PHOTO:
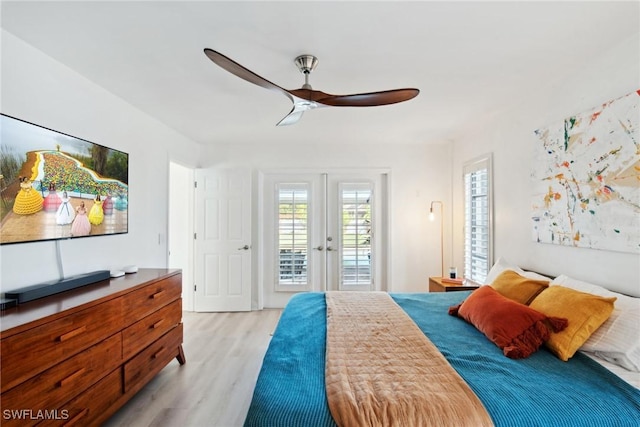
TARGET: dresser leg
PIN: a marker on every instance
(180, 357)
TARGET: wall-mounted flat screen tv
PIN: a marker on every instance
(57, 186)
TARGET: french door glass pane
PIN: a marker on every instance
(355, 254)
(293, 234)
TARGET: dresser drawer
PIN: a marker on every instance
(139, 370)
(148, 299)
(28, 353)
(93, 407)
(144, 332)
(61, 383)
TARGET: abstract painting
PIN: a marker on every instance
(586, 179)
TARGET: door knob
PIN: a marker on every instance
(319, 248)
(244, 248)
(329, 248)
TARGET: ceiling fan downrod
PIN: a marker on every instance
(306, 64)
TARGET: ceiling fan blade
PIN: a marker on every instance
(291, 118)
(242, 72)
(371, 99)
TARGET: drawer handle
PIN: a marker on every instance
(71, 377)
(157, 294)
(158, 353)
(77, 418)
(72, 334)
(157, 324)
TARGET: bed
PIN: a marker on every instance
(539, 390)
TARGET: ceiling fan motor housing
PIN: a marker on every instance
(306, 63)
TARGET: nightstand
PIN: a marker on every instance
(436, 285)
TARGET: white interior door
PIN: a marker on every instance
(223, 240)
(322, 231)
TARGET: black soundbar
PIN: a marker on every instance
(6, 303)
(56, 286)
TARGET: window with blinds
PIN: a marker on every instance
(293, 234)
(478, 243)
(356, 234)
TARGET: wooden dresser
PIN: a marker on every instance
(74, 358)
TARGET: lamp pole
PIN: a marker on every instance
(431, 217)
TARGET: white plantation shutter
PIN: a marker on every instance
(293, 235)
(355, 235)
(478, 230)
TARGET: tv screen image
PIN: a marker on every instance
(57, 186)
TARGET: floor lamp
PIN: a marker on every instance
(431, 218)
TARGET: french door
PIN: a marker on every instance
(323, 231)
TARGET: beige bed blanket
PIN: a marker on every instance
(381, 370)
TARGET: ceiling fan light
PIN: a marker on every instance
(306, 105)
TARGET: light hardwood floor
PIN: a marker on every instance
(224, 353)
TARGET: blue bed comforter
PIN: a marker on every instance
(538, 391)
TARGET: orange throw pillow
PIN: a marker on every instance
(517, 287)
(517, 329)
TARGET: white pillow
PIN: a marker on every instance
(618, 339)
(502, 265)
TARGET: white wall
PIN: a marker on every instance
(181, 201)
(40, 90)
(418, 174)
(509, 135)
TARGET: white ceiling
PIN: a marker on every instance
(469, 59)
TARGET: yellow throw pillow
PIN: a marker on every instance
(585, 312)
(518, 288)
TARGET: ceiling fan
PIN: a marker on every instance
(306, 98)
